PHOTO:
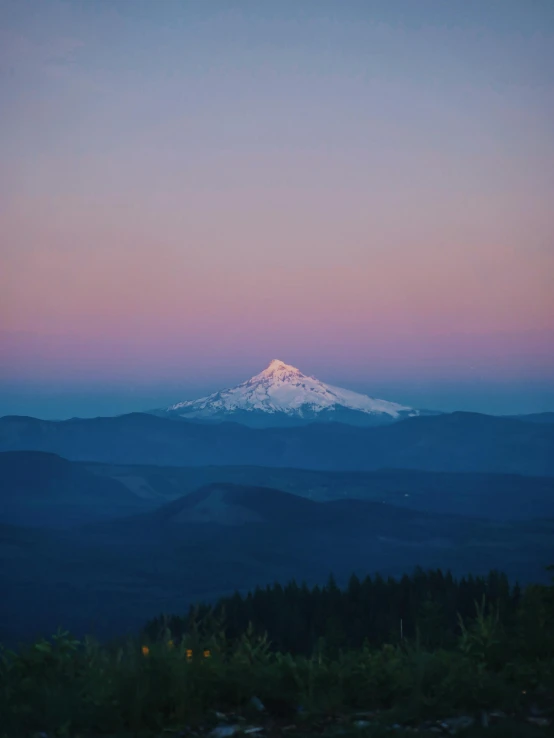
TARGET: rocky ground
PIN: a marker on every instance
(490, 724)
(493, 723)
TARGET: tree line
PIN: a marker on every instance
(427, 606)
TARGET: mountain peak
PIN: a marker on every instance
(283, 391)
(279, 370)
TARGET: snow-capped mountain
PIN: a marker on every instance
(283, 395)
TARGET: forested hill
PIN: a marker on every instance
(427, 605)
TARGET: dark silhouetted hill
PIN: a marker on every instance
(459, 442)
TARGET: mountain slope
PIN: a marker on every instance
(460, 442)
(282, 394)
(44, 490)
(235, 504)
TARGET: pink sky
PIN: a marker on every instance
(186, 197)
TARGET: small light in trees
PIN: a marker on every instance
(145, 650)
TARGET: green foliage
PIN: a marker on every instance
(500, 656)
(481, 639)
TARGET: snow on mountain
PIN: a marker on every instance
(283, 392)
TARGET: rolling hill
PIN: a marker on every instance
(43, 489)
(495, 496)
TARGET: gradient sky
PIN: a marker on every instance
(362, 188)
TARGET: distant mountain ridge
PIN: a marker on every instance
(282, 395)
(459, 442)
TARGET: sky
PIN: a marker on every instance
(363, 189)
